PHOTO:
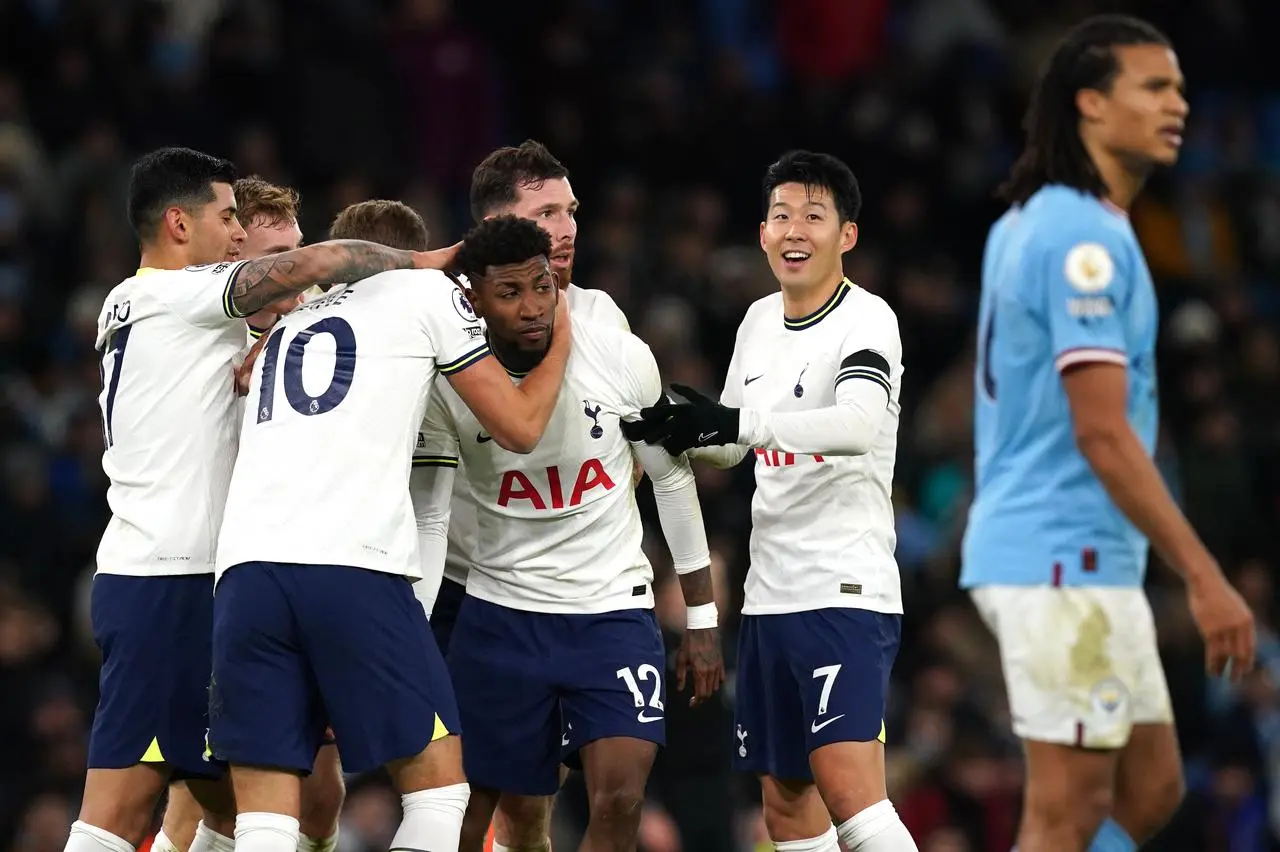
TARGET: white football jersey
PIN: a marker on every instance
(334, 403)
(557, 530)
(167, 339)
(592, 306)
(822, 528)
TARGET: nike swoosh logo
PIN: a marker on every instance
(642, 719)
(752, 379)
(815, 727)
(706, 436)
(482, 438)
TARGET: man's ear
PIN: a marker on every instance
(476, 306)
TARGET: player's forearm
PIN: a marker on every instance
(260, 282)
(848, 428)
(723, 457)
(1134, 484)
(675, 495)
(431, 492)
(697, 587)
(537, 397)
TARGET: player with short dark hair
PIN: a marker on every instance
(526, 181)
(812, 389)
(556, 653)
(169, 337)
(268, 213)
(1066, 415)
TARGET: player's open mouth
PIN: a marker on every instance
(1172, 134)
(562, 258)
(794, 259)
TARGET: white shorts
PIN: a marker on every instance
(1080, 663)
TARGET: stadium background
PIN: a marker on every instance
(667, 114)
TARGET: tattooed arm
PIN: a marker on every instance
(260, 282)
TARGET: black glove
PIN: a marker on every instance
(678, 426)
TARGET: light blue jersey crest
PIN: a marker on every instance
(1064, 282)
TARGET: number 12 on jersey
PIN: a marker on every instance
(344, 368)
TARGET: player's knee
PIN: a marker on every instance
(1146, 809)
(522, 821)
(1064, 811)
(1166, 798)
(793, 810)
(620, 802)
(122, 801)
(322, 798)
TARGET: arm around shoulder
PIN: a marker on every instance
(517, 416)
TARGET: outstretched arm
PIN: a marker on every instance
(260, 282)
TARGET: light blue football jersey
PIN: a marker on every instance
(1064, 282)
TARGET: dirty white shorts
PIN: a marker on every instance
(1080, 664)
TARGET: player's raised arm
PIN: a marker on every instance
(675, 494)
(505, 261)
(260, 282)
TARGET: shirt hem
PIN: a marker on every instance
(613, 603)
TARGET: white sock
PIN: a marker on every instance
(90, 838)
(828, 842)
(266, 832)
(545, 846)
(162, 843)
(876, 829)
(432, 819)
(208, 840)
(306, 843)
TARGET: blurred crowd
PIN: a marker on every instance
(666, 114)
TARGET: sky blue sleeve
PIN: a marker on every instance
(1086, 278)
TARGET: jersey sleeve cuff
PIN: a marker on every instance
(435, 461)
(1090, 355)
(228, 303)
(459, 364)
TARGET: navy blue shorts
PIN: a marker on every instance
(809, 679)
(534, 688)
(155, 634)
(299, 647)
(444, 615)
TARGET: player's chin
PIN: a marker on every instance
(533, 341)
(1166, 156)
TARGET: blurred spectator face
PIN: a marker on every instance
(803, 236)
(44, 824)
(1142, 116)
(554, 207)
(263, 237)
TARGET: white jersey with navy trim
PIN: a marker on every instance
(167, 340)
(591, 306)
(822, 527)
(558, 529)
(329, 430)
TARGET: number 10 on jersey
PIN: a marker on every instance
(344, 367)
